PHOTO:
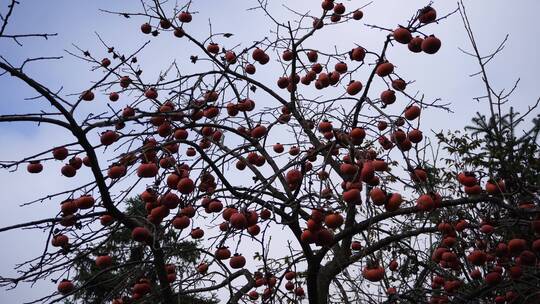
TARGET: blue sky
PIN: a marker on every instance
(444, 75)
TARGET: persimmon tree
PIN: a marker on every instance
(340, 170)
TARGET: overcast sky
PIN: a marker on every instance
(444, 75)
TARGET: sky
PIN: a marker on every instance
(444, 75)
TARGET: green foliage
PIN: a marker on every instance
(131, 261)
(497, 147)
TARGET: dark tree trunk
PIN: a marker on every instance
(323, 285)
(317, 284)
(312, 274)
(159, 264)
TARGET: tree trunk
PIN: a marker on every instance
(317, 285)
(159, 265)
(312, 283)
(323, 286)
